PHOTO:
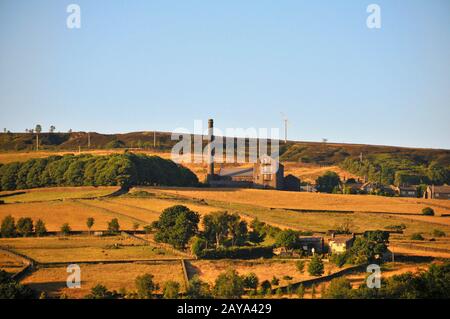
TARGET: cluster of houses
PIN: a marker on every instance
(352, 186)
(310, 245)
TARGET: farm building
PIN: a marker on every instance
(308, 243)
(405, 191)
(340, 243)
(437, 192)
(263, 174)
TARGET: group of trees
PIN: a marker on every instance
(366, 249)
(389, 169)
(23, 228)
(431, 284)
(178, 224)
(112, 170)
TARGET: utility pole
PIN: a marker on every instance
(285, 119)
(154, 139)
(89, 140)
(37, 141)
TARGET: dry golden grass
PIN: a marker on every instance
(85, 248)
(56, 213)
(313, 201)
(113, 276)
(209, 270)
(56, 193)
(309, 172)
(10, 264)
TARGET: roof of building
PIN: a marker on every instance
(236, 171)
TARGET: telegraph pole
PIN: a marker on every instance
(154, 139)
(89, 140)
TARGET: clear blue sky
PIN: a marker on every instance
(158, 65)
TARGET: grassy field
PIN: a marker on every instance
(313, 201)
(55, 193)
(10, 264)
(113, 276)
(85, 248)
(209, 270)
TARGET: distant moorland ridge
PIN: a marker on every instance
(376, 162)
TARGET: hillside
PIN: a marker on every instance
(386, 163)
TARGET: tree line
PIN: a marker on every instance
(399, 171)
(123, 170)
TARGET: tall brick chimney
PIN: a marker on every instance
(210, 159)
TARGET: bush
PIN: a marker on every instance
(300, 264)
(100, 292)
(198, 245)
(417, 236)
(113, 226)
(145, 286)
(251, 281)
(171, 290)
(339, 259)
(266, 287)
(438, 233)
(10, 289)
(65, 229)
(237, 253)
(428, 211)
(2, 202)
(315, 267)
(229, 285)
(198, 289)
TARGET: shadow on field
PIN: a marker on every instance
(192, 270)
(12, 194)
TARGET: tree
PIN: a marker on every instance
(216, 227)
(145, 286)
(428, 211)
(113, 226)
(39, 228)
(300, 264)
(417, 236)
(229, 285)
(251, 281)
(171, 289)
(315, 267)
(25, 226)
(197, 289)
(237, 229)
(275, 281)
(65, 229)
(52, 129)
(89, 223)
(287, 238)
(176, 226)
(301, 291)
(339, 288)
(266, 287)
(327, 182)
(100, 292)
(198, 245)
(136, 226)
(8, 228)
